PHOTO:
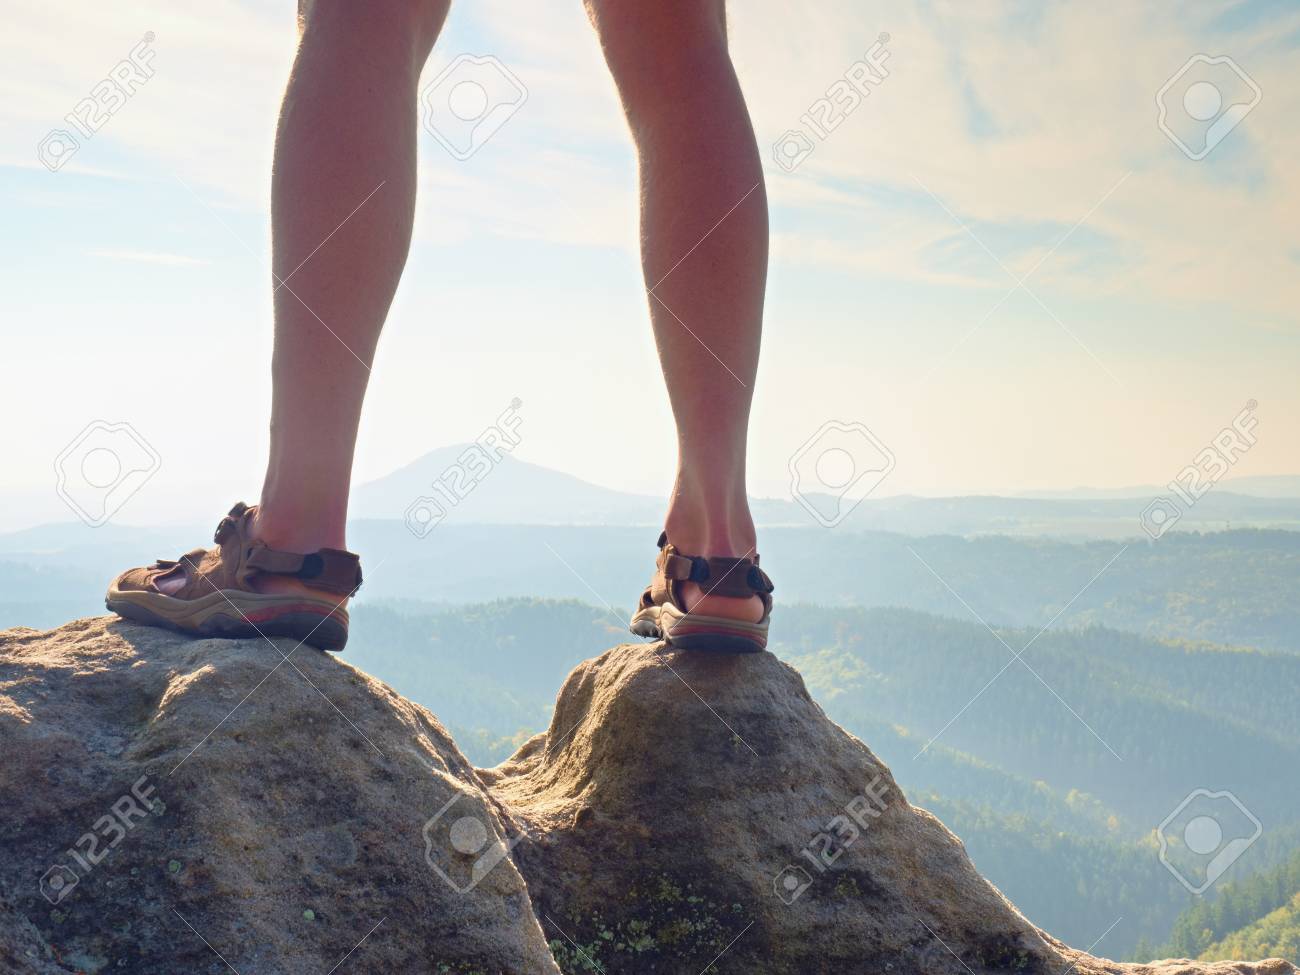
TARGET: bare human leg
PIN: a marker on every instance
(342, 206)
(704, 244)
(342, 209)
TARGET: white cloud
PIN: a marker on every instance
(1068, 97)
(1019, 117)
(1070, 102)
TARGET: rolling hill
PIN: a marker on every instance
(1067, 777)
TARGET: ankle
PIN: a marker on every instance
(735, 543)
(297, 530)
(721, 527)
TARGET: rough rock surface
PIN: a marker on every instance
(241, 808)
(209, 805)
(681, 808)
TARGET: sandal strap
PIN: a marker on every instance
(237, 559)
(738, 578)
(331, 569)
(230, 523)
(719, 575)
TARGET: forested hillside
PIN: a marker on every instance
(1255, 917)
(1055, 782)
(1232, 587)
(1137, 723)
(1054, 755)
(1276, 935)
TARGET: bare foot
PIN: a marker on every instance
(750, 610)
(690, 531)
(281, 585)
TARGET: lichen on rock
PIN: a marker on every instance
(292, 791)
(180, 805)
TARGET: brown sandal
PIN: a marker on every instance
(218, 598)
(663, 615)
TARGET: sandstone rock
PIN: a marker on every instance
(229, 806)
(700, 813)
(176, 805)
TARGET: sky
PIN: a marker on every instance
(1000, 262)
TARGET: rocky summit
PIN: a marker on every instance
(178, 805)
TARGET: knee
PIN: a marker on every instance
(658, 49)
(386, 27)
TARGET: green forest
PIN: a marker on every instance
(1056, 777)
(1051, 700)
(1231, 587)
(1257, 917)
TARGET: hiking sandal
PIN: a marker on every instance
(663, 615)
(218, 595)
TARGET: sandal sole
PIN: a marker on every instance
(706, 634)
(234, 614)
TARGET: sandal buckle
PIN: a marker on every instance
(224, 527)
(312, 566)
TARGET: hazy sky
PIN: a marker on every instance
(1008, 139)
